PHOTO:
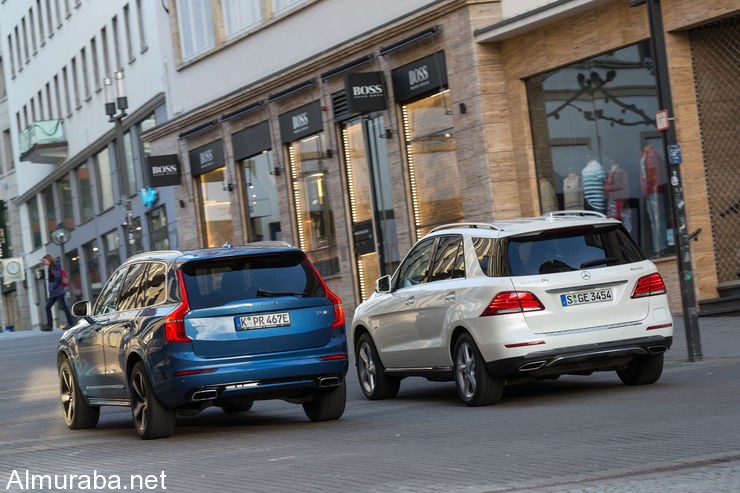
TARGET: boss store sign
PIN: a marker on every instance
(420, 77)
(207, 158)
(365, 92)
(301, 122)
(164, 171)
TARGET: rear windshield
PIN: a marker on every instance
(571, 249)
(216, 282)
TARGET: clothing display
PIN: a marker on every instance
(572, 191)
(593, 186)
(650, 163)
(617, 194)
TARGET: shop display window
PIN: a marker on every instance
(216, 201)
(64, 191)
(431, 153)
(84, 192)
(311, 199)
(260, 188)
(597, 147)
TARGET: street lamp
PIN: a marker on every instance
(116, 104)
(60, 236)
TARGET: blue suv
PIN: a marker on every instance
(175, 332)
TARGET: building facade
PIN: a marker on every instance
(75, 166)
(352, 131)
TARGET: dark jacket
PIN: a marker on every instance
(55, 281)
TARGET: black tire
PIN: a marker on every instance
(327, 404)
(237, 407)
(641, 371)
(475, 385)
(151, 419)
(374, 383)
(77, 414)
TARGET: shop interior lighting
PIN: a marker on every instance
(412, 171)
(293, 160)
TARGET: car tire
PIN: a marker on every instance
(475, 385)
(643, 370)
(237, 407)
(77, 413)
(374, 383)
(151, 418)
(327, 404)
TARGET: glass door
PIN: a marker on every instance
(371, 201)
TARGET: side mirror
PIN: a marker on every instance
(81, 309)
(383, 284)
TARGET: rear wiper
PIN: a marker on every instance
(272, 294)
(599, 261)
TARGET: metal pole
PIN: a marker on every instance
(680, 230)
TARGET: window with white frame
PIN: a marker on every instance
(279, 6)
(241, 15)
(196, 27)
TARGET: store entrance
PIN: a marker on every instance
(371, 201)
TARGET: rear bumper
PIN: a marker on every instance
(263, 377)
(585, 358)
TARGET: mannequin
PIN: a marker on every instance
(593, 186)
(649, 182)
(617, 193)
(572, 191)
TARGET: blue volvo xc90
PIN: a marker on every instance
(175, 332)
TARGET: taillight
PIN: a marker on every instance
(335, 300)
(338, 309)
(512, 302)
(174, 323)
(650, 285)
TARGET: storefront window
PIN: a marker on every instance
(50, 212)
(261, 197)
(135, 243)
(84, 192)
(72, 265)
(92, 256)
(434, 177)
(105, 179)
(158, 228)
(596, 145)
(111, 248)
(314, 215)
(219, 227)
(35, 222)
(64, 190)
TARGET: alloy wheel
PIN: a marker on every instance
(465, 370)
(367, 368)
(67, 393)
(139, 401)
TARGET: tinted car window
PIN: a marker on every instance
(129, 296)
(567, 250)
(106, 302)
(414, 268)
(449, 261)
(220, 281)
(154, 290)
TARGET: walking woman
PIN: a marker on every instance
(57, 290)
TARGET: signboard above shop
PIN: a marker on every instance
(207, 158)
(365, 92)
(300, 122)
(420, 78)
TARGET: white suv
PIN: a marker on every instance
(487, 304)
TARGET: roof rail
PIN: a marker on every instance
(578, 213)
(465, 225)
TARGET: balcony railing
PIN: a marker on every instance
(44, 141)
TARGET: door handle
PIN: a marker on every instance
(410, 301)
(450, 296)
(128, 324)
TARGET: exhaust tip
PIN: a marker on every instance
(534, 365)
(328, 381)
(657, 349)
(204, 395)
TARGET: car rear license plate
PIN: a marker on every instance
(584, 297)
(263, 321)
